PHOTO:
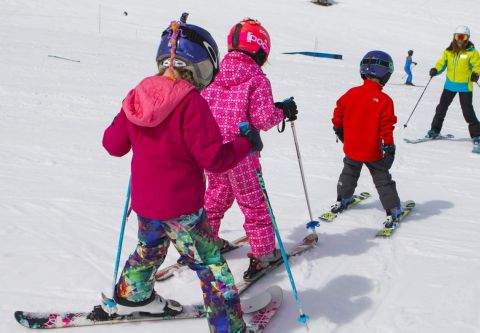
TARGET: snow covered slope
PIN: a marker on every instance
(62, 196)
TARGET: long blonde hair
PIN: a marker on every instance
(184, 74)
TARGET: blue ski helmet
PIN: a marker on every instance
(196, 51)
(376, 64)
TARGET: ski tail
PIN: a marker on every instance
(167, 272)
(357, 198)
(425, 139)
(307, 243)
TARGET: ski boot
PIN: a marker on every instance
(224, 245)
(341, 205)
(476, 141)
(432, 134)
(155, 306)
(393, 216)
(257, 265)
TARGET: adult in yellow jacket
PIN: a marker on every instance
(462, 62)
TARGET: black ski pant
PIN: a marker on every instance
(386, 187)
(467, 109)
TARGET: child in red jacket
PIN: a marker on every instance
(364, 120)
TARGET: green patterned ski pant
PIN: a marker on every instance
(192, 237)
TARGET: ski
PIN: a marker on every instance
(260, 319)
(307, 243)
(425, 139)
(256, 317)
(357, 198)
(387, 232)
(165, 273)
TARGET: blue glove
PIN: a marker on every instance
(289, 108)
(388, 155)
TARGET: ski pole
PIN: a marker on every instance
(303, 317)
(111, 302)
(426, 86)
(312, 224)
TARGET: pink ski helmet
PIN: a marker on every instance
(250, 37)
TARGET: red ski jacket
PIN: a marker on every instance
(367, 117)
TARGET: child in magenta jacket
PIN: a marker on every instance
(174, 138)
(242, 93)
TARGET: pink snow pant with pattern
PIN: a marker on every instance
(241, 184)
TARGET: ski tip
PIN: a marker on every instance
(365, 194)
(20, 318)
(328, 217)
(18, 315)
(410, 204)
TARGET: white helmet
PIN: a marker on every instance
(462, 29)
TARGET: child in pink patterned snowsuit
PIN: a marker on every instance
(242, 93)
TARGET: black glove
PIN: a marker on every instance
(339, 133)
(253, 136)
(433, 72)
(289, 108)
(414, 63)
(388, 155)
(474, 77)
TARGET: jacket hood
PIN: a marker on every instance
(153, 99)
(236, 68)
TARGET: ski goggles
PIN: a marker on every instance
(176, 63)
(380, 62)
(460, 36)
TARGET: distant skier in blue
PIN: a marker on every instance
(408, 68)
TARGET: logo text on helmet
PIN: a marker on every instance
(251, 38)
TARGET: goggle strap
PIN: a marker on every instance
(236, 35)
(375, 61)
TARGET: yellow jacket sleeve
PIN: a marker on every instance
(442, 63)
(475, 62)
